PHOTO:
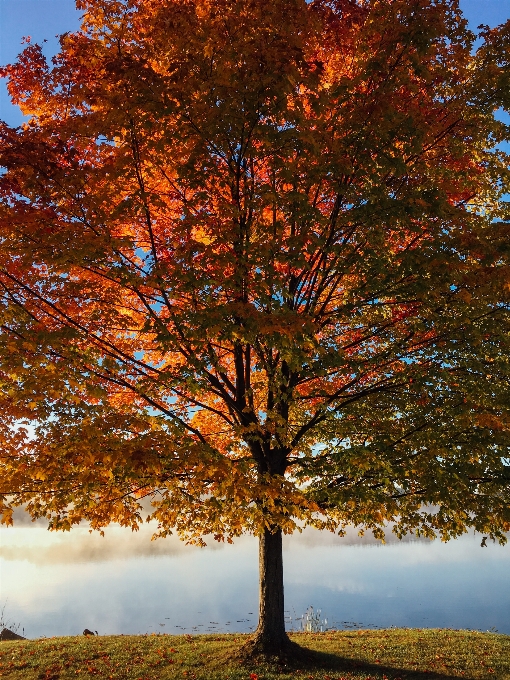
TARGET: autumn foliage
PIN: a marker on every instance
(254, 267)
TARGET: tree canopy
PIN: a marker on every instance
(254, 266)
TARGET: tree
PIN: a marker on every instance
(254, 266)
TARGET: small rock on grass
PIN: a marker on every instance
(7, 634)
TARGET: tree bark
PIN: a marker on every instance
(270, 636)
(270, 640)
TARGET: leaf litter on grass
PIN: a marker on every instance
(392, 654)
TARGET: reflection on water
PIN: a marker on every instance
(59, 584)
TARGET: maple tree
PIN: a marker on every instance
(254, 267)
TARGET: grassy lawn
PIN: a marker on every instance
(347, 655)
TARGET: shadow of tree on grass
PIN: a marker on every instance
(326, 664)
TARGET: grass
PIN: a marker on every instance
(339, 655)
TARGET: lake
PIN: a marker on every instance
(59, 584)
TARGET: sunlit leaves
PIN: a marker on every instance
(253, 264)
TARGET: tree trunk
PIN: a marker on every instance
(270, 639)
(270, 636)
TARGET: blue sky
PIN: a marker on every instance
(44, 19)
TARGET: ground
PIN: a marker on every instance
(394, 654)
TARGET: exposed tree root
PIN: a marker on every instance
(260, 649)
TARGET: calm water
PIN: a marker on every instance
(58, 584)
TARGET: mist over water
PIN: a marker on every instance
(59, 584)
